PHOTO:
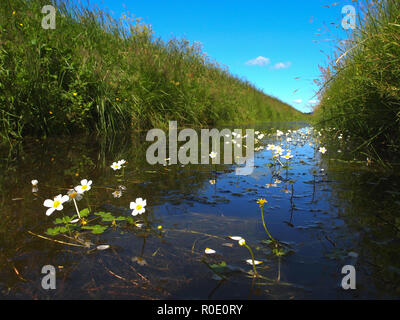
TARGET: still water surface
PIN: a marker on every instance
(325, 210)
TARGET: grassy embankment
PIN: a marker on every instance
(361, 93)
(97, 74)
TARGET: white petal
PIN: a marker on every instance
(50, 211)
(83, 182)
(103, 247)
(64, 199)
(48, 203)
(60, 207)
(132, 205)
(135, 212)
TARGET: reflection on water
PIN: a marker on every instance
(325, 210)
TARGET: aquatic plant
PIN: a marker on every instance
(242, 242)
(138, 206)
(261, 203)
(84, 186)
(56, 204)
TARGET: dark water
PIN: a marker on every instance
(327, 212)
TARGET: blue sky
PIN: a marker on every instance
(267, 42)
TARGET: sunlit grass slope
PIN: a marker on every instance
(97, 74)
(361, 95)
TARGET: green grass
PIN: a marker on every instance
(97, 74)
(361, 92)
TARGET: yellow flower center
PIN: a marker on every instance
(73, 195)
(84, 187)
(139, 207)
(56, 204)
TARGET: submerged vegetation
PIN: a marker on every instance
(94, 73)
(361, 92)
(116, 226)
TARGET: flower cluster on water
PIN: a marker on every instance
(76, 194)
(118, 165)
(281, 151)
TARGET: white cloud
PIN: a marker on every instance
(282, 65)
(298, 101)
(312, 101)
(259, 61)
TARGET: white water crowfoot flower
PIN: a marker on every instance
(117, 194)
(256, 262)
(72, 194)
(269, 185)
(56, 204)
(121, 162)
(34, 186)
(115, 166)
(118, 165)
(236, 238)
(287, 156)
(279, 133)
(209, 251)
(322, 150)
(85, 186)
(213, 155)
(138, 206)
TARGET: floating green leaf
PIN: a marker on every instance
(96, 229)
(84, 213)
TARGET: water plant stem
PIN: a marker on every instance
(265, 227)
(76, 207)
(253, 262)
